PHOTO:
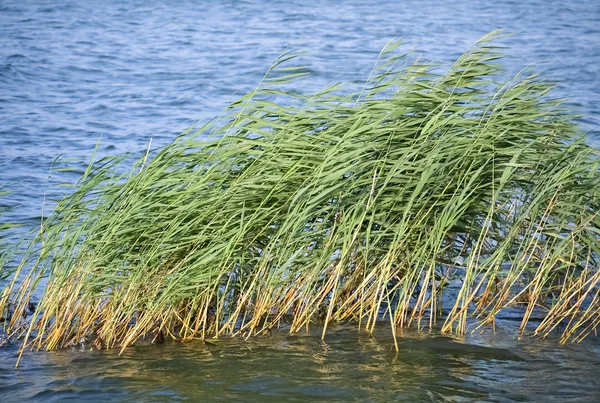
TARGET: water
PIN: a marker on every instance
(346, 366)
(130, 71)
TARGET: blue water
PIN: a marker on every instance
(130, 71)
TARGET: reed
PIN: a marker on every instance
(430, 195)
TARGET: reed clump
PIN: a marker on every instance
(426, 197)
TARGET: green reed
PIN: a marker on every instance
(430, 195)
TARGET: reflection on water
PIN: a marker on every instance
(346, 366)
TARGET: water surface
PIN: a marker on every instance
(346, 366)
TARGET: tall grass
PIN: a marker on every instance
(428, 196)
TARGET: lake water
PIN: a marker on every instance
(130, 71)
(346, 366)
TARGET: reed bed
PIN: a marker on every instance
(430, 195)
